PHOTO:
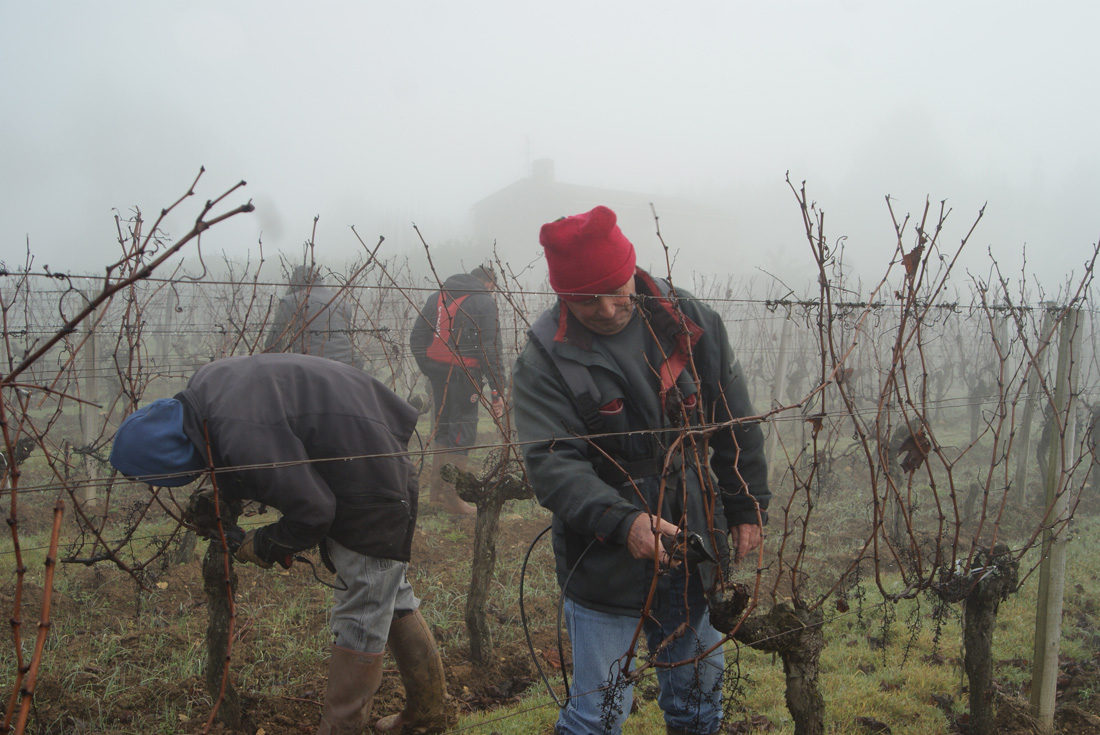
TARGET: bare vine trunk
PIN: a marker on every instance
(998, 578)
(481, 576)
(795, 633)
(489, 496)
(217, 631)
(207, 518)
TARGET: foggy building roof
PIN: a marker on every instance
(513, 215)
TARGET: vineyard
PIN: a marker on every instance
(929, 562)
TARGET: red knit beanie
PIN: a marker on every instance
(587, 254)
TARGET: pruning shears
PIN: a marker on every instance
(689, 547)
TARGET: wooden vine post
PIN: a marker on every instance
(779, 389)
(89, 409)
(1022, 447)
(1052, 572)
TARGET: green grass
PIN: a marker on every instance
(895, 685)
(110, 645)
(119, 660)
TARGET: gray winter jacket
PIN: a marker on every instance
(312, 319)
(593, 502)
(322, 442)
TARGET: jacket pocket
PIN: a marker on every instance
(373, 525)
(612, 408)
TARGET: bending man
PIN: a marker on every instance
(326, 445)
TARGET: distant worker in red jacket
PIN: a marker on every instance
(456, 344)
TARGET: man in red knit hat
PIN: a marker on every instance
(611, 391)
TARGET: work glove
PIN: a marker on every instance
(246, 552)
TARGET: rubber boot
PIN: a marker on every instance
(444, 493)
(426, 707)
(353, 680)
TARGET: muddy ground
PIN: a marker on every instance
(172, 614)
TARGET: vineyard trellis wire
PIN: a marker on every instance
(918, 404)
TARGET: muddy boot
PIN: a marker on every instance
(443, 493)
(427, 709)
(353, 679)
(436, 483)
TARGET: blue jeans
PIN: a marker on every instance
(691, 696)
(377, 592)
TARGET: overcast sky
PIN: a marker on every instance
(380, 115)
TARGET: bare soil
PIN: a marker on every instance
(174, 613)
(108, 602)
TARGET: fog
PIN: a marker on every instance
(381, 116)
